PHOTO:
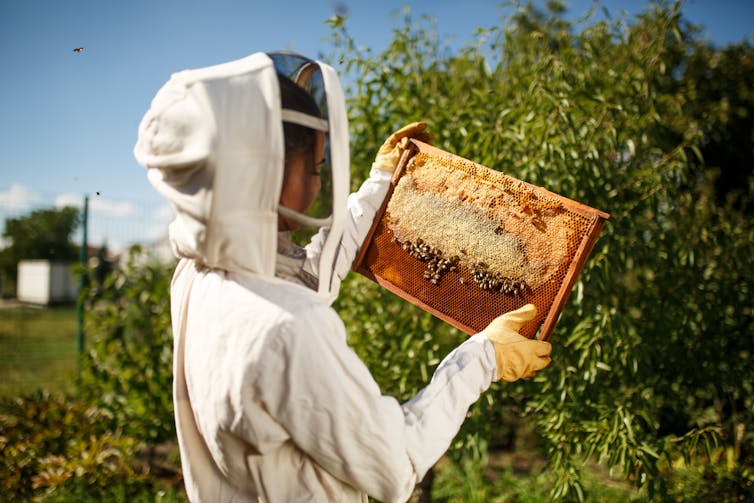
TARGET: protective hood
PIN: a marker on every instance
(213, 144)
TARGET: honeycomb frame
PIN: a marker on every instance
(483, 243)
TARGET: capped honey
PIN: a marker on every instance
(468, 243)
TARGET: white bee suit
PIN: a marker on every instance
(270, 402)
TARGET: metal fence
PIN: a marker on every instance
(116, 224)
(38, 342)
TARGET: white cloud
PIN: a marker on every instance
(118, 224)
(74, 200)
(98, 205)
(164, 213)
(112, 208)
(156, 233)
(18, 197)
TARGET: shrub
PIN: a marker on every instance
(127, 363)
(53, 444)
(651, 357)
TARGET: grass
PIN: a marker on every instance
(116, 494)
(519, 476)
(38, 349)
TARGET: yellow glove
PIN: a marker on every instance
(390, 152)
(516, 356)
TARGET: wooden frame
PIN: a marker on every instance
(544, 325)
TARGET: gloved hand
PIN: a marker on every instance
(516, 356)
(390, 152)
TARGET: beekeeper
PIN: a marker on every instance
(270, 402)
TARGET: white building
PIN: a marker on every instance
(44, 282)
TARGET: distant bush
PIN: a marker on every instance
(127, 362)
(100, 445)
(56, 446)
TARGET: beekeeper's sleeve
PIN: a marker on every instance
(362, 207)
(334, 411)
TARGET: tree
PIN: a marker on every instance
(651, 354)
(719, 84)
(42, 234)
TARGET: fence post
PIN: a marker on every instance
(82, 277)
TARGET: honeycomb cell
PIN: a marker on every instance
(468, 243)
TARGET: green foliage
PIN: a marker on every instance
(127, 365)
(727, 480)
(719, 85)
(466, 480)
(652, 353)
(51, 444)
(473, 480)
(100, 445)
(42, 234)
(116, 494)
(400, 364)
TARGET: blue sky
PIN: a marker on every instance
(69, 119)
